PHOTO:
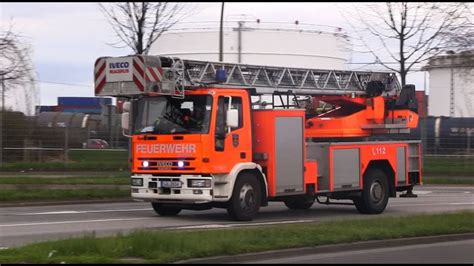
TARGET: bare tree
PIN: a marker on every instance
(410, 33)
(139, 25)
(16, 73)
(15, 63)
(461, 35)
(16, 68)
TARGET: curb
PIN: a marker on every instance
(274, 254)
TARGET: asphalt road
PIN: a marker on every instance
(22, 225)
(445, 252)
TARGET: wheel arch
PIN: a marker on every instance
(255, 170)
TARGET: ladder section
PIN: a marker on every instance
(141, 74)
(268, 79)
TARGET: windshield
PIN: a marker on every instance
(167, 115)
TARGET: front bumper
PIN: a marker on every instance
(151, 190)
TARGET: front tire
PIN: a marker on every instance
(374, 198)
(165, 210)
(246, 198)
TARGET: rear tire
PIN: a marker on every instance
(246, 198)
(299, 203)
(360, 205)
(374, 196)
(165, 210)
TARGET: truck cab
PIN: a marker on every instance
(182, 146)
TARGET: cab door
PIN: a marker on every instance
(231, 145)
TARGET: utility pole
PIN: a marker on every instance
(451, 94)
(221, 35)
(1, 121)
(241, 23)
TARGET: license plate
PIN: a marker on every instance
(170, 184)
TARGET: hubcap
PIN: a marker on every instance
(247, 197)
(376, 191)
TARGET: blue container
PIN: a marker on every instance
(84, 101)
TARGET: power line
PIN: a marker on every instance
(378, 63)
(64, 83)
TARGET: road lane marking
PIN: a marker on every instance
(433, 204)
(422, 192)
(80, 212)
(205, 226)
(73, 222)
(214, 226)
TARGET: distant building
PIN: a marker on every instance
(86, 105)
(261, 43)
(451, 84)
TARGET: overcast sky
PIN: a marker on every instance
(67, 37)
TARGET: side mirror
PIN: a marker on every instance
(125, 120)
(232, 120)
(126, 107)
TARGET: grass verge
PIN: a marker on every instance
(447, 181)
(79, 160)
(23, 195)
(120, 165)
(169, 246)
(448, 166)
(25, 180)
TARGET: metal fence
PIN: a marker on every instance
(24, 141)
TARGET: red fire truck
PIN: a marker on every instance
(207, 134)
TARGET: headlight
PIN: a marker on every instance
(180, 164)
(145, 164)
(137, 182)
(199, 183)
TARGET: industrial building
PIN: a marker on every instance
(84, 117)
(451, 84)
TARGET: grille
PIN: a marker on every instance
(167, 163)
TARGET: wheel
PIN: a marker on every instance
(299, 203)
(165, 210)
(246, 198)
(359, 205)
(374, 196)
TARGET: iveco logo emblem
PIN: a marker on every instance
(119, 65)
(164, 164)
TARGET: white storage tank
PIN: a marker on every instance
(255, 42)
(451, 79)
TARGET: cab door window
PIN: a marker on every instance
(221, 128)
